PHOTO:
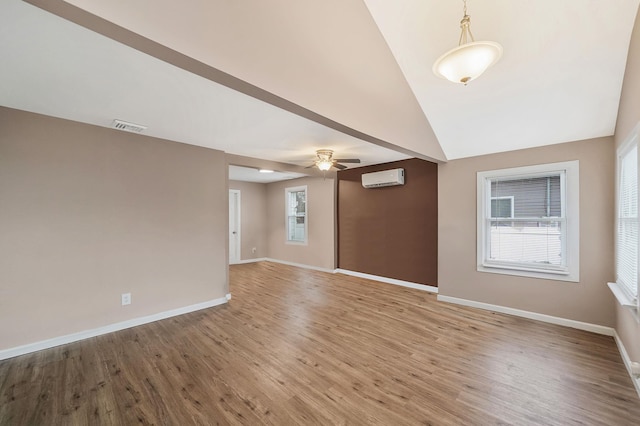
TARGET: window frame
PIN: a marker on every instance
(623, 293)
(288, 191)
(570, 218)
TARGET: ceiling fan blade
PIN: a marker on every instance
(339, 166)
(348, 160)
(313, 165)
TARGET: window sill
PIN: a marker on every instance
(296, 243)
(624, 300)
(546, 275)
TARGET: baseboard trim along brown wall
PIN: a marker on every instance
(386, 280)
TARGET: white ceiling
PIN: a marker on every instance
(54, 67)
(559, 79)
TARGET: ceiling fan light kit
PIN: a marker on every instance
(324, 165)
(470, 59)
(325, 161)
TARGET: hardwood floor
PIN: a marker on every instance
(296, 347)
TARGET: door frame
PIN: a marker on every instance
(238, 218)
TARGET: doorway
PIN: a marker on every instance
(234, 226)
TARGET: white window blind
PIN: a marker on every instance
(627, 228)
(533, 235)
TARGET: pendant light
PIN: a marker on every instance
(470, 59)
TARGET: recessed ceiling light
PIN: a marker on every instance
(265, 171)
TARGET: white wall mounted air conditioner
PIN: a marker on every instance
(384, 178)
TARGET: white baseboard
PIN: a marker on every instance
(299, 265)
(70, 338)
(627, 362)
(393, 281)
(254, 260)
(594, 328)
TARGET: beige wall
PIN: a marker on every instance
(320, 249)
(589, 300)
(253, 218)
(628, 116)
(89, 213)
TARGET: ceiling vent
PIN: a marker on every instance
(128, 127)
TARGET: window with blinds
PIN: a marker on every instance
(296, 214)
(627, 226)
(523, 222)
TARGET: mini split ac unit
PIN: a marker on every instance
(383, 178)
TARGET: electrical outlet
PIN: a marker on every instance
(126, 299)
(253, 250)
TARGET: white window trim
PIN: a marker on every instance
(306, 215)
(621, 292)
(571, 244)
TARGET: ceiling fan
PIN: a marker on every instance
(324, 160)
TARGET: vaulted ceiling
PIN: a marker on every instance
(279, 79)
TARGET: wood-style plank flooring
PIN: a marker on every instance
(299, 347)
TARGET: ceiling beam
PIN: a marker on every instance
(359, 90)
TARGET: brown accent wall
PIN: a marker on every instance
(391, 231)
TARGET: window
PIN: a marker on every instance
(296, 211)
(627, 229)
(528, 221)
(502, 206)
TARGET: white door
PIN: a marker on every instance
(234, 226)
